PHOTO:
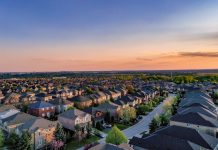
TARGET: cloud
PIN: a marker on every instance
(204, 36)
(143, 59)
(199, 54)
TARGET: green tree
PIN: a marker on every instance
(78, 132)
(132, 113)
(115, 136)
(155, 123)
(13, 140)
(127, 114)
(59, 133)
(2, 138)
(25, 141)
(165, 119)
(89, 130)
(98, 126)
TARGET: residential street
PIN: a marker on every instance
(143, 125)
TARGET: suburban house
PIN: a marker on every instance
(61, 105)
(121, 103)
(4, 108)
(81, 101)
(28, 97)
(70, 118)
(112, 94)
(11, 98)
(41, 109)
(98, 97)
(6, 111)
(97, 116)
(198, 109)
(44, 96)
(111, 108)
(131, 100)
(122, 90)
(42, 131)
(9, 124)
(196, 121)
(175, 138)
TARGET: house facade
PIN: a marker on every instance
(70, 118)
(41, 109)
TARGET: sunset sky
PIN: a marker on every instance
(81, 35)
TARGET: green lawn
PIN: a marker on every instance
(73, 145)
(122, 126)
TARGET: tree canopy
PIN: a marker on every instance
(115, 136)
(2, 138)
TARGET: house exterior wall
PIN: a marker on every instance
(83, 104)
(70, 124)
(49, 111)
(42, 137)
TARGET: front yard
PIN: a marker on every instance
(73, 145)
(119, 126)
(122, 126)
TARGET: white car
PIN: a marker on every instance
(107, 125)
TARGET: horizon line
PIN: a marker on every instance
(149, 70)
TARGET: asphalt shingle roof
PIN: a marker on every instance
(39, 104)
(189, 134)
(195, 118)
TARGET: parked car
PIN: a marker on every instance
(107, 125)
(139, 118)
(100, 135)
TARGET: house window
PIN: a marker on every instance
(40, 142)
(47, 108)
(43, 109)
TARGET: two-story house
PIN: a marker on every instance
(41, 130)
(41, 109)
(70, 118)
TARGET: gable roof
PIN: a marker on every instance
(79, 99)
(60, 101)
(73, 114)
(18, 118)
(107, 106)
(163, 142)
(189, 134)
(39, 104)
(6, 107)
(35, 123)
(196, 104)
(195, 118)
(108, 146)
(199, 109)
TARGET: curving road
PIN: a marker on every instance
(143, 124)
